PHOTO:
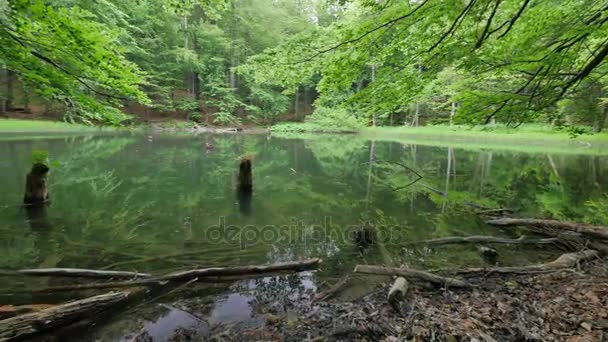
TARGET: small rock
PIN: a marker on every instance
(586, 326)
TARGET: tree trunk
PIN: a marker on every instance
(452, 113)
(488, 239)
(33, 324)
(296, 102)
(82, 273)
(8, 106)
(242, 270)
(598, 232)
(567, 260)
(411, 274)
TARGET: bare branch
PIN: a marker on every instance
(363, 35)
(514, 19)
(454, 25)
(485, 34)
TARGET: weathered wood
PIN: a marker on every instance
(489, 255)
(397, 293)
(495, 211)
(567, 260)
(325, 295)
(487, 239)
(36, 185)
(544, 226)
(29, 325)
(242, 270)
(412, 275)
(7, 311)
(81, 273)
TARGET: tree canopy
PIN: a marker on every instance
(376, 62)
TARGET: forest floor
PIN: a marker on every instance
(567, 305)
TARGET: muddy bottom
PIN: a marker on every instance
(568, 305)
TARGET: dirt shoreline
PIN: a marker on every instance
(566, 305)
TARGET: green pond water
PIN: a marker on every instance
(158, 203)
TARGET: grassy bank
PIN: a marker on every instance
(530, 138)
(42, 126)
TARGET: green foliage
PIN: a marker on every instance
(507, 61)
(334, 118)
(40, 156)
(64, 56)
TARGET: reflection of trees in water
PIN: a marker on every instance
(127, 199)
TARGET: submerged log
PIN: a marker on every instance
(242, 270)
(81, 273)
(488, 239)
(325, 295)
(32, 324)
(36, 185)
(397, 293)
(567, 260)
(412, 274)
(245, 180)
(544, 226)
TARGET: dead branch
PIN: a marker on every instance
(567, 260)
(82, 273)
(242, 270)
(487, 239)
(327, 294)
(29, 325)
(411, 274)
(545, 226)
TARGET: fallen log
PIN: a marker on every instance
(325, 295)
(397, 293)
(7, 311)
(242, 270)
(81, 273)
(544, 226)
(495, 211)
(205, 275)
(488, 239)
(567, 260)
(412, 274)
(29, 325)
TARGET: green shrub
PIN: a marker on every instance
(334, 118)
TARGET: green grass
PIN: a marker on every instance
(307, 127)
(526, 138)
(40, 126)
(530, 138)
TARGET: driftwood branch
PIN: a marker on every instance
(543, 226)
(82, 273)
(32, 324)
(327, 294)
(411, 274)
(242, 270)
(488, 239)
(567, 260)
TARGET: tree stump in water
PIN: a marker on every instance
(245, 180)
(36, 185)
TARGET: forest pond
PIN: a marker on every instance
(158, 203)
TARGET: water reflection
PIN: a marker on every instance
(150, 202)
